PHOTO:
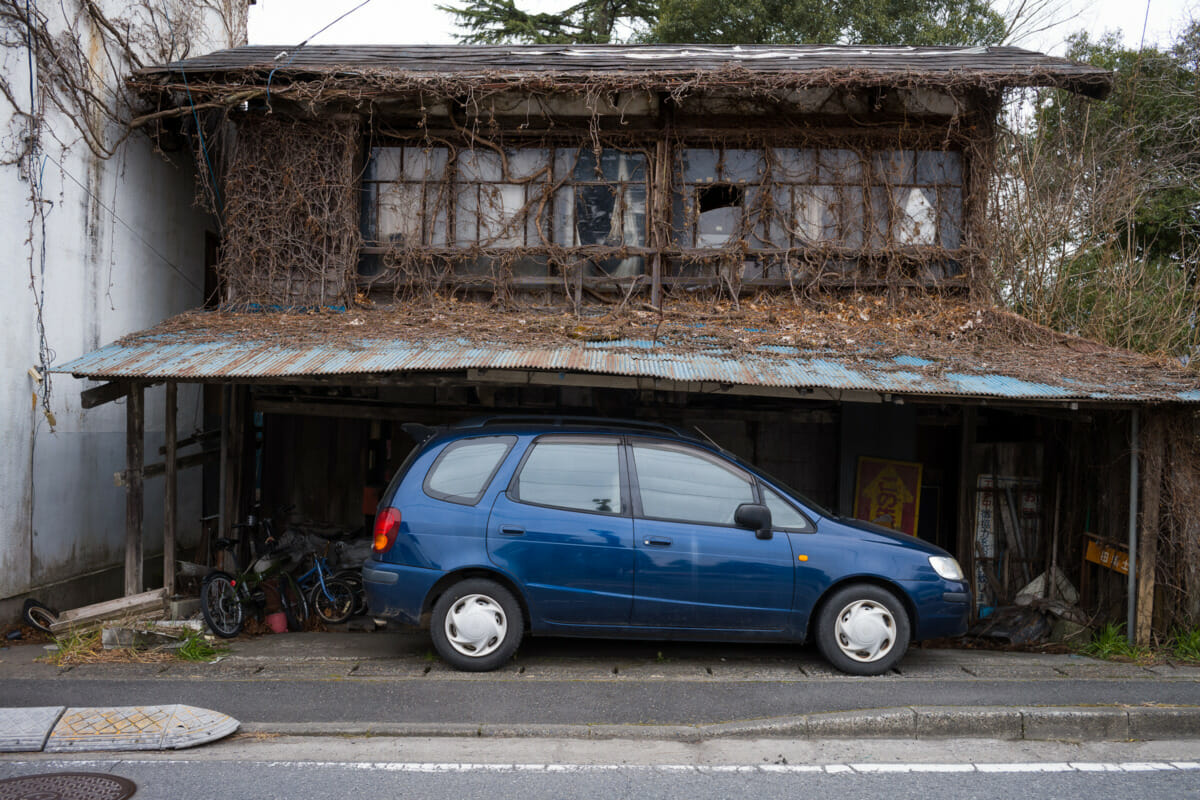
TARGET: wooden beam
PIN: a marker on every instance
(104, 393)
(967, 497)
(1153, 450)
(170, 492)
(135, 430)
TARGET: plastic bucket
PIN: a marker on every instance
(277, 622)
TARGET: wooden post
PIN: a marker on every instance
(1147, 558)
(967, 496)
(169, 499)
(135, 422)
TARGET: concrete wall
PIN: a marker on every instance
(120, 247)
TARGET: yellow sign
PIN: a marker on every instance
(1106, 555)
(888, 493)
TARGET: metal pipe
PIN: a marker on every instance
(1131, 603)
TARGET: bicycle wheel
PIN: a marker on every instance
(353, 579)
(294, 606)
(38, 615)
(335, 603)
(221, 604)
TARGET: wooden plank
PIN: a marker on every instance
(139, 605)
(135, 422)
(170, 492)
(1147, 555)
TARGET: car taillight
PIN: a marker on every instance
(387, 525)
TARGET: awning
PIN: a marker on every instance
(979, 358)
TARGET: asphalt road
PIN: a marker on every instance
(513, 701)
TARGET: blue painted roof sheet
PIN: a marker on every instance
(188, 355)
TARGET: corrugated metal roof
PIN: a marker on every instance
(1011, 66)
(209, 355)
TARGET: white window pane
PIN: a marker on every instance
(699, 166)
(466, 215)
(526, 162)
(951, 218)
(916, 216)
(564, 215)
(499, 206)
(852, 221)
(939, 167)
(479, 165)
(384, 164)
(424, 163)
(742, 166)
(894, 166)
(817, 213)
(839, 166)
(794, 165)
(400, 215)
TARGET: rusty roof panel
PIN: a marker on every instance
(1011, 66)
(183, 356)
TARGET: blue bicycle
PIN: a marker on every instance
(331, 597)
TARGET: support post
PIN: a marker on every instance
(1131, 583)
(1147, 560)
(170, 497)
(135, 422)
(966, 496)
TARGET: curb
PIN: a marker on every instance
(1040, 723)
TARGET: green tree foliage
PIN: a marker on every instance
(585, 22)
(912, 22)
(1098, 204)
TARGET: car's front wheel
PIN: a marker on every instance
(863, 629)
(477, 625)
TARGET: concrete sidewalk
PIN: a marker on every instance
(589, 674)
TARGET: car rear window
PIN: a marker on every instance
(464, 469)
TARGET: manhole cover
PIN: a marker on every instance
(67, 786)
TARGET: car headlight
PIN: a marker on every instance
(946, 567)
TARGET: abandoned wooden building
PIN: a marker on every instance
(784, 247)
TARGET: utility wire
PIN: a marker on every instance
(127, 226)
(297, 48)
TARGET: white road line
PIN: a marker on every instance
(701, 769)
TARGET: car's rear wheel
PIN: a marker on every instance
(477, 625)
(863, 629)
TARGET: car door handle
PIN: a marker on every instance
(508, 530)
(657, 542)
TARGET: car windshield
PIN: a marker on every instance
(804, 499)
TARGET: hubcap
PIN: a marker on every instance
(476, 625)
(865, 631)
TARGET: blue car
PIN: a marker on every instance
(495, 528)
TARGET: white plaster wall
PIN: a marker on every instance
(124, 249)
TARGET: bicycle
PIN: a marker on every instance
(333, 599)
(225, 597)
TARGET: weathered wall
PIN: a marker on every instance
(118, 248)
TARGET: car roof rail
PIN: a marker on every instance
(558, 420)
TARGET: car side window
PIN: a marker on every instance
(783, 515)
(679, 484)
(464, 469)
(579, 475)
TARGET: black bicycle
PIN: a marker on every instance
(226, 600)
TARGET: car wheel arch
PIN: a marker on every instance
(451, 578)
(872, 580)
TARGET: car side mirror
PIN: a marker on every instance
(755, 517)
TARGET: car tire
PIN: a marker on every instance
(38, 615)
(476, 625)
(863, 629)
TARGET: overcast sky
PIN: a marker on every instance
(289, 22)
